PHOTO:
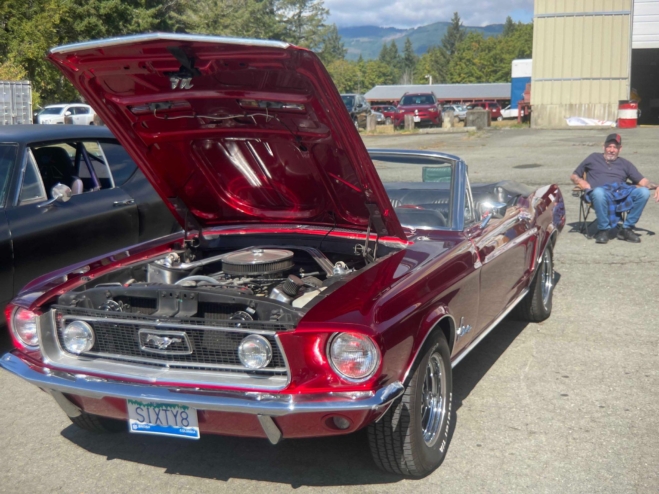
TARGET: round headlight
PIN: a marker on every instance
(24, 325)
(354, 356)
(255, 352)
(78, 337)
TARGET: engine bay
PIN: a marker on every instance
(267, 283)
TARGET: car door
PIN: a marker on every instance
(8, 156)
(155, 218)
(505, 247)
(49, 237)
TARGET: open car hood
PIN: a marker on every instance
(233, 131)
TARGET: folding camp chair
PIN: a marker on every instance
(584, 210)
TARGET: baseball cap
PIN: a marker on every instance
(613, 138)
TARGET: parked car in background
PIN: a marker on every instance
(379, 117)
(423, 107)
(459, 112)
(508, 112)
(492, 106)
(389, 112)
(75, 113)
(310, 299)
(358, 108)
(67, 194)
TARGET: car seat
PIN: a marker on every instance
(55, 166)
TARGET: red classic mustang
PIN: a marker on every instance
(305, 297)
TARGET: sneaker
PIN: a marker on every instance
(602, 237)
(628, 235)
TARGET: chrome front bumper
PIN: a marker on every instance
(265, 405)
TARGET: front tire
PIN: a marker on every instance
(537, 304)
(412, 437)
(98, 424)
(499, 119)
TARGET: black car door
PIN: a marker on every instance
(100, 219)
(8, 156)
(155, 218)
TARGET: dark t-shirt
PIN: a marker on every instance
(599, 172)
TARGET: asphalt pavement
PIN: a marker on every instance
(570, 405)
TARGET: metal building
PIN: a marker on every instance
(589, 54)
(445, 93)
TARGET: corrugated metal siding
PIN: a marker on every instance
(15, 102)
(646, 24)
(581, 59)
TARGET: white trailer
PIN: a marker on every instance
(15, 102)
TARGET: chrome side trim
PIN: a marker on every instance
(189, 38)
(255, 403)
(473, 344)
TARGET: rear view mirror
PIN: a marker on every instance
(59, 193)
(491, 209)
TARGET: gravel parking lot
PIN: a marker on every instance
(570, 405)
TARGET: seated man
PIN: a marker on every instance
(607, 190)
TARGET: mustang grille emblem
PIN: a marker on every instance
(161, 342)
(164, 342)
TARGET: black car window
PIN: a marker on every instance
(32, 188)
(121, 164)
(7, 159)
(349, 101)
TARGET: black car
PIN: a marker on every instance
(358, 108)
(110, 203)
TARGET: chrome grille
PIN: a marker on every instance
(214, 343)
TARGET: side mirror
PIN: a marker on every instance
(68, 114)
(59, 193)
(491, 209)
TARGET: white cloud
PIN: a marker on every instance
(413, 13)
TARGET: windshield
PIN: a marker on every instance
(419, 99)
(7, 158)
(419, 188)
(349, 101)
(52, 111)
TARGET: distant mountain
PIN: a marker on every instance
(368, 40)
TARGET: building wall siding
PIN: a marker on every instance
(581, 59)
(646, 24)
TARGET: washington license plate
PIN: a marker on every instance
(163, 419)
(417, 119)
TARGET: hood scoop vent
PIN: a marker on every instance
(257, 262)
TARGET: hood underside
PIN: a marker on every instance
(233, 131)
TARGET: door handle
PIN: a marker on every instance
(127, 202)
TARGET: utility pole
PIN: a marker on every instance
(429, 77)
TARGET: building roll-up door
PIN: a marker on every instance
(581, 59)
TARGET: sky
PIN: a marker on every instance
(414, 13)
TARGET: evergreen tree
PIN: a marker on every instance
(455, 34)
(332, 46)
(508, 27)
(409, 62)
(303, 22)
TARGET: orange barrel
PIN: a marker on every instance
(627, 114)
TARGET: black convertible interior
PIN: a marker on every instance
(425, 205)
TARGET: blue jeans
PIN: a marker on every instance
(600, 201)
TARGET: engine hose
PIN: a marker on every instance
(207, 279)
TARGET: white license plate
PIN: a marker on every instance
(417, 119)
(163, 419)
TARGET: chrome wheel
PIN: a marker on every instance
(546, 278)
(433, 399)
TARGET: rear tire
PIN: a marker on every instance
(537, 304)
(98, 424)
(412, 437)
